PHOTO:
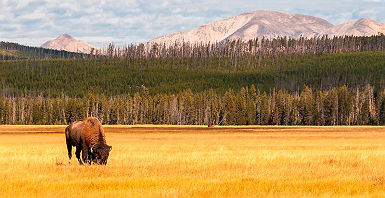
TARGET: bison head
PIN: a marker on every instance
(100, 153)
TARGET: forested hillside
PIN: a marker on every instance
(78, 77)
(14, 51)
(319, 81)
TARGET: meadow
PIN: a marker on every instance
(197, 161)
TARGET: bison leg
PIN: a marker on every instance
(77, 152)
(69, 148)
(85, 155)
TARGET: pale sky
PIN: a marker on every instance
(32, 22)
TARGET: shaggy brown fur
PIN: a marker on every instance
(88, 137)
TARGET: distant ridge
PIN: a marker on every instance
(68, 43)
(270, 24)
(360, 27)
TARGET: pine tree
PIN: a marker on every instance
(381, 107)
(345, 106)
(229, 108)
(319, 115)
(306, 106)
(331, 108)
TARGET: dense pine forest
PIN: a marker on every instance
(318, 81)
(338, 106)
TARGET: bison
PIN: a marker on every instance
(88, 137)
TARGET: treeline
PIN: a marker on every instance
(248, 106)
(120, 76)
(256, 47)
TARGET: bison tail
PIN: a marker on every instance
(67, 132)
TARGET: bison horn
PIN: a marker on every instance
(92, 150)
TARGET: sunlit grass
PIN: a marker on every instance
(199, 162)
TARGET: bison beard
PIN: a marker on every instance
(99, 154)
(88, 137)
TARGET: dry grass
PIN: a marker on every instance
(192, 161)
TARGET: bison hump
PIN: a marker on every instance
(94, 130)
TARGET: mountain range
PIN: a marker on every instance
(270, 24)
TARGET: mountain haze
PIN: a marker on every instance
(270, 24)
(68, 43)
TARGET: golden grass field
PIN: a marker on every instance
(175, 161)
